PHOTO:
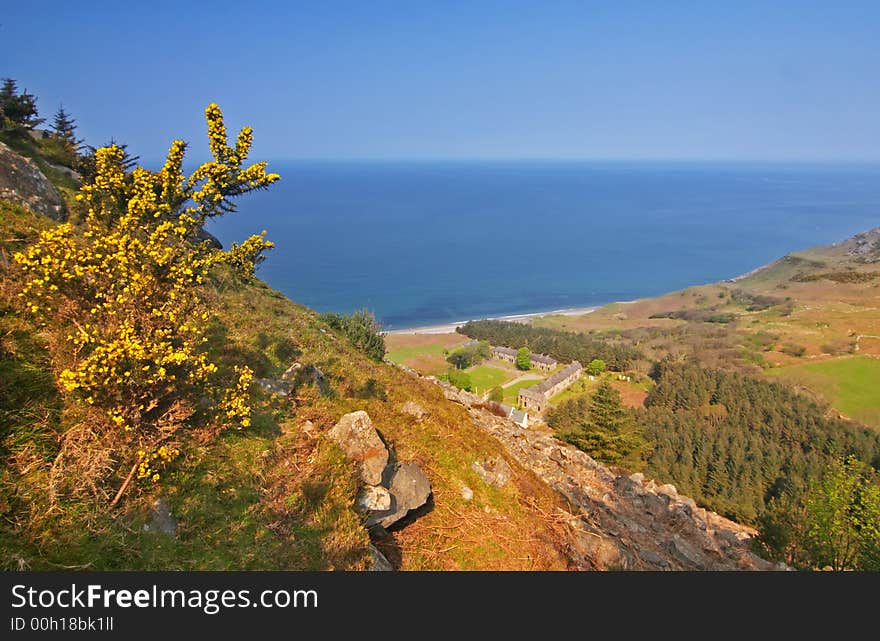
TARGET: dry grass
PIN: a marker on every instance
(275, 496)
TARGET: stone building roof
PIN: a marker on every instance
(504, 350)
(541, 358)
(538, 390)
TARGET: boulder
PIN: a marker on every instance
(414, 409)
(467, 493)
(22, 183)
(358, 439)
(409, 488)
(374, 498)
(494, 471)
(161, 519)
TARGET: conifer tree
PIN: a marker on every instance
(19, 109)
(64, 129)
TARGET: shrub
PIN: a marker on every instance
(793, 350)
(460, 379)
(362, 330)
(465, 357)
(125, 286)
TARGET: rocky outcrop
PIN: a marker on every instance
(22, 183)
(616, 521)
(626, 522)
(357, 437)
(391, 490)
(865, 246)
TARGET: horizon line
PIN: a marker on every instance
(563, 159)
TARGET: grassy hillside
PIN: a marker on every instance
(277, 495)
(799, 319)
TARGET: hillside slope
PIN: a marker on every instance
(783, 320)
(280, 494)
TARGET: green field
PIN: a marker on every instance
(511, 393)
(849, 384)
(405, 353)
(580, 387)
(485, 378)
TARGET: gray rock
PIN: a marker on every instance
(685, 552)
(638, 477)
(356, 436)
(378, 561)
(651, 557)
(668, 490)
(274, 386)
(414, 409)
(556, 456)
(161, 519)
(374, 498)
(22, 183)
(314, 373)
(409, 488)
(654, 504)
(494, 471)
(67, 171)
(291, 372)
(467, 493)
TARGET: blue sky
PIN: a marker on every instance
(668, 79)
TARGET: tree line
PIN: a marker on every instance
(561, 345)
(752, 450)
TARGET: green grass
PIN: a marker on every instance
(485, 377)
(511, 393)
(848, 384)
(405, 353)
(580, 387)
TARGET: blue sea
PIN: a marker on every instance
(422, 243)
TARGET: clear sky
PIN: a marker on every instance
(660, 79)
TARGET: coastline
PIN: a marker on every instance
(449, 328)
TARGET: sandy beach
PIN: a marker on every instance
(516, 318)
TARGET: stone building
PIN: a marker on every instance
(536, 398)
(546, 363)
(539, 361)
(504, 353)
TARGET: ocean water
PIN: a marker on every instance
(425, 243)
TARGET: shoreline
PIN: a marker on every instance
(449, 328)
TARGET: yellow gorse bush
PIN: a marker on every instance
(127, 282)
